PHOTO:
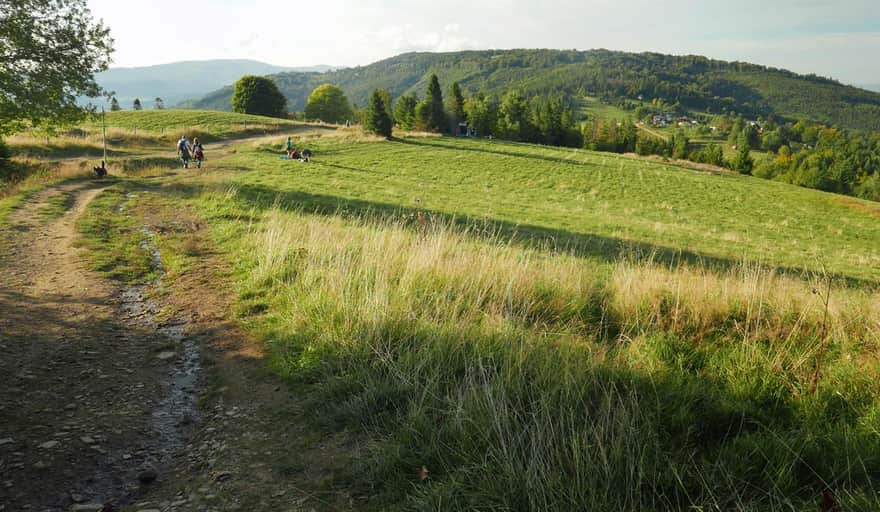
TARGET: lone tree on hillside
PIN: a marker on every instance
(137, 104)
(328, 103)
(49, 53)
(114, 104)
(431, 114)
(258, 95)
(159, 104)
(378, 118)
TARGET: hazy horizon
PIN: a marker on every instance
(834, 39)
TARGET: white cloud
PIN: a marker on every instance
(409, 38)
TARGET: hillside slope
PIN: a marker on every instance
(180, 81)
(697, 83)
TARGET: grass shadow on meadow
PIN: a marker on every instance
(440, 143)
(585, 245)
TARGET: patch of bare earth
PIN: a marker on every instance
(859, 205)
(253, 449)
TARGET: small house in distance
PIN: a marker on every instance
(464, 130)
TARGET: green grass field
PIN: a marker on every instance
(596, 203)
(551, 329)
(593, 108)
(218, 124)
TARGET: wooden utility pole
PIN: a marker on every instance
(104, 131)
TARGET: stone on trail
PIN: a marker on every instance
(148, 476)
(6, 440)
(164, 356)
(48, 445)
(87, 440)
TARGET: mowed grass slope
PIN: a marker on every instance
(596, 203)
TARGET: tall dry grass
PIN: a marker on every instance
(530, 379)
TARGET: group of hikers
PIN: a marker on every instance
(196, 152)
(193, 151)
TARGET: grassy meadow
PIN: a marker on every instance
(216, 124)
(594, 204)
(518, 327)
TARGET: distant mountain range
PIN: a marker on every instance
(180, 81)
(695, 83)
(872, 87)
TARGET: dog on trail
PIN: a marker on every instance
(101, 171)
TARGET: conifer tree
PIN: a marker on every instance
(378, 119)
(432, 114)
(137, 104)
(456, 104)
(114, 104)
(405, 112)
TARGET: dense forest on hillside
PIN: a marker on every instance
(689, 82)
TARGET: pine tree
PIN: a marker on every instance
(159, 103)
(137, 104)
(433, 115)
(378, 120)
(114, 104)
(405, 112)
(456, 104)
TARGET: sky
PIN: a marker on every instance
(838, 39)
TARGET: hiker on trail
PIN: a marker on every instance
(198, 152)
(183, 150)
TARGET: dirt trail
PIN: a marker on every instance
(84, 372)
(100, 398)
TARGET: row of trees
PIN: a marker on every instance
(543, 120)
(158, 104)
(625, 137)
(809, 154)
(839, 161)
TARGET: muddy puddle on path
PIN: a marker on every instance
(176, 415)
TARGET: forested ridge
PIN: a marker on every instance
(692, 82)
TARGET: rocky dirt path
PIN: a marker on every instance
(87, 418)
(104, 406)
